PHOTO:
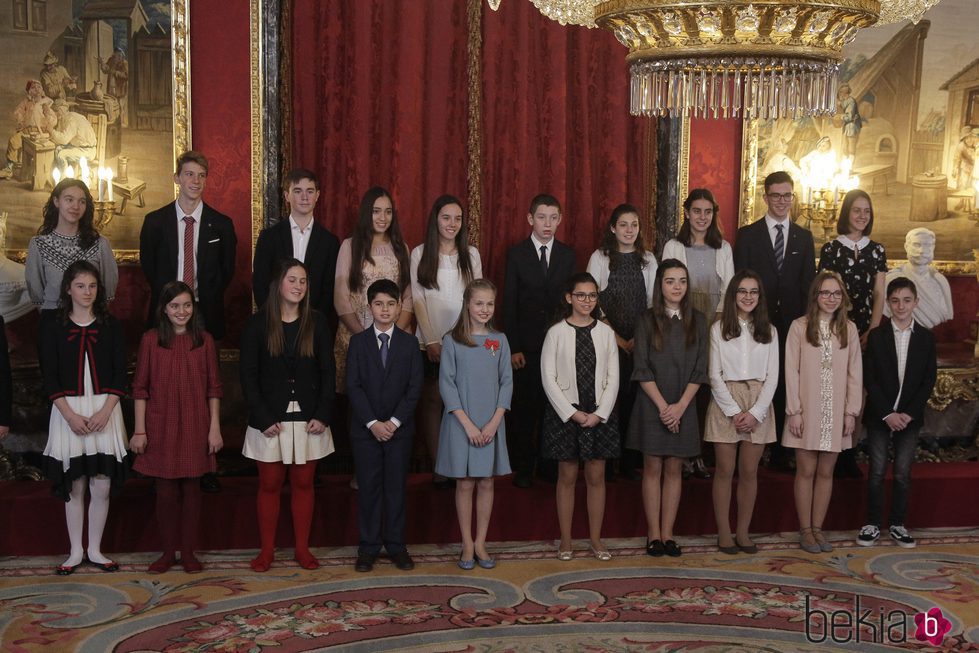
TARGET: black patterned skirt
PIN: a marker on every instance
(569, 441)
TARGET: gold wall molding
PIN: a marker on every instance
(954, 383)
(474, 149)
(257, 110)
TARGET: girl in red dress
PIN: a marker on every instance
(177, 389)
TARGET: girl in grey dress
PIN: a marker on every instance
(476, 383)
(670, 363)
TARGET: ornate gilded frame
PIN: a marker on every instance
(749, 212)
(181, 99)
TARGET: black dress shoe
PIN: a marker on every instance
(365, 561)
(403, 561)
(210, 483)
(522, 480)
(655, 548)
(671, 548)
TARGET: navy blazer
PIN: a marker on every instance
(378, 392)
(532, 300)
(787, 293)
(880, 375)
(275, 244)
(216, 244)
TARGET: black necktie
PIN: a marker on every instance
(543, 259)
(779, 247)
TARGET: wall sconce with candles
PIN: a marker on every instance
(102, 176)
(825, 180)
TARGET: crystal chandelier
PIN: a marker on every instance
(733, 58)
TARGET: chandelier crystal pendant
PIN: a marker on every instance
(733, 58)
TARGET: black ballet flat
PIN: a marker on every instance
(671, 548)
(655, 548)
(66, 570)
(105, 566)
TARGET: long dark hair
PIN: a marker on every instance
(428, 266)
(164, 328)
(100, 308)
(462, 331)
(713, 237)
(363, 238)
(275, 339)
(610, 246)
(660, 322)
(569, 286)
(761, 326)
(838, 326)
(843, 223)
(87, 234)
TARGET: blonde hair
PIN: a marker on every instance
(838, 325)
(462, 331)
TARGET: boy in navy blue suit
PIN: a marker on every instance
(384, 381)
(899, 371)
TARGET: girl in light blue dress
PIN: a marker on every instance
(476, 383)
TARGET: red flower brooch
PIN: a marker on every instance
(492, 345)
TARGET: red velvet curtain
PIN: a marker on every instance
(381, 96)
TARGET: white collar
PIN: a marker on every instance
(538, 244)
(295, 225)
(389, 332)
(850, 244)
(196, 214)
(771, 222)
(673, 312)
(897, 330)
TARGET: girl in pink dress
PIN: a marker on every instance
(177, 389)
(823, 395)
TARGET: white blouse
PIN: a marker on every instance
(742, 359)
(442, 305)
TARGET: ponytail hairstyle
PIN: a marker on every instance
(610, 246)
(569, 286)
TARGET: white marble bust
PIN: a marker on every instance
(934, 294)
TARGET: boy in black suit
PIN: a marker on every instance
(189, 241)
(784, 256)
(536, 271)
(299, 236)
(899, 370)
(384, 382)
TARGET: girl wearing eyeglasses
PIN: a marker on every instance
(823, 394)
(743, 377)
(580, 375)
(670, 365)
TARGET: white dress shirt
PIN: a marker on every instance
(902, 338)
(300, 238)
(196, 215)
(742, 359)
(547, 247)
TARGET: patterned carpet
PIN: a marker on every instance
(778, 600)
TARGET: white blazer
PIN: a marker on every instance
(598, 268)
(558, 375)
(723, 263)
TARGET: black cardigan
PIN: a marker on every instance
(265, 380)
(62, 357)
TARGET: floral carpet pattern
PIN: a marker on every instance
(868, 599)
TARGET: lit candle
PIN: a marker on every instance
(108, 181)
(70, 172)
(56, 175)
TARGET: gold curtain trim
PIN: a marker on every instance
(474, 148)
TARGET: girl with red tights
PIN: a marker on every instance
(288, 379)
(177, 389)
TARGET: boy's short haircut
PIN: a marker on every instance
(296, 175)
(543, 200)
(897, 283)
(192, 156)
(383, 287)
(778, 177)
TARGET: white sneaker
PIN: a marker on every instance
(868, 536)
(902, 538)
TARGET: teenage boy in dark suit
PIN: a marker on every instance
(536, 272)
(899, 371)
(384, 382)
(784, 256)
(299, 236)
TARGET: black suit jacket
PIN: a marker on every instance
(265, 380)
(530, 300)
(787, 293)
(378, 392)
(216, 243)
(881, 380)
(275, 244)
